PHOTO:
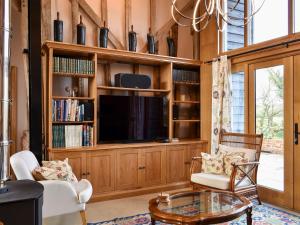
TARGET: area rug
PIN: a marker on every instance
(262, 215)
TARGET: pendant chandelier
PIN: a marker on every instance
(215, 8)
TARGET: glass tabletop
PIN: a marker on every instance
(194, 203)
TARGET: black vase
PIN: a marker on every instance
(81, 30)
(151, 43)
(103, 37)
(171, 46)
(58, 29)
(132, 40)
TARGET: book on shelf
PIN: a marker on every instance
(68, 136)
(73, 65)
(187, 76)
(71, 110)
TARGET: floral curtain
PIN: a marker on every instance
(221, 100)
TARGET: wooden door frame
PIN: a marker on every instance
(296, 120)
(284, 199)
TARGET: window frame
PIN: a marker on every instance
(243, 67)
(291, 29)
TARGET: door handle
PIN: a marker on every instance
(296, 134)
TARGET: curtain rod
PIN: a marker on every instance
(257, 50)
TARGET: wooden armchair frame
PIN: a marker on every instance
(248, 170)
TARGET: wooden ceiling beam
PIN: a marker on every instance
(75, 16)
(16, 5)
(104, 16)
(169, 24)
(46, 21)
(128, 20)
(153, 15)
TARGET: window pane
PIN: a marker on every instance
(270, 22)
(237, 105)
(270, 122)
(297, 15)
(233, 36)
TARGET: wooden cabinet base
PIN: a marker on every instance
(139, 191)
(123, 170)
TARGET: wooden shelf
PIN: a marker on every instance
(120, 55)
(75, 98)
(186, 102)
(186, 121)
(133, 89)
(186, 83)
(72, 122)
(79, 75)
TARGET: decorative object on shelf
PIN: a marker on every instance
(129, 80)
(132, 41)
(150, 42)
(103, 36)
(75, 91)
(171, 45)
(81, 30)
(71, 92)
(68, 90)
(214, 9)
(58, 29)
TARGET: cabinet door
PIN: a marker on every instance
(176, 171)
(101, 171)
(192, 151)
(127, 169)
(153, 166)
(77, 161)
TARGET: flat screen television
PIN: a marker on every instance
(132, 118)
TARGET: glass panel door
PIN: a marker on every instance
(270, 105)
(269, 113)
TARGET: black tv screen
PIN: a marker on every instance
(132, 118)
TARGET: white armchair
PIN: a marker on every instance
(60, 197)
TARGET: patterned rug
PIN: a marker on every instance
(262, 215)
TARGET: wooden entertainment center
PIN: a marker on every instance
(117, 170)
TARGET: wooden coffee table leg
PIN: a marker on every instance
(249, 216)
(152, 221)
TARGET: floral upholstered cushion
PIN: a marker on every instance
(249, 153)
(212, 163)
(232, 158)
(55, 170)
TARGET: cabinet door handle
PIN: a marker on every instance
(142, 167)
(83, 174)
(296, 133)
(88, 173)
(187, 162)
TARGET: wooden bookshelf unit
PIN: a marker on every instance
(117, 170)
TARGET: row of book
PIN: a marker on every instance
(186, 76)
(67, 136)
(72, 65)
(71, 110)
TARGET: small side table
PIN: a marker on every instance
(22, 204)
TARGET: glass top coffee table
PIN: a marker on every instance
(200, 207)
